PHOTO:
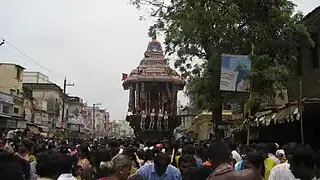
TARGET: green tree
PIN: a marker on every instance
(201, 30)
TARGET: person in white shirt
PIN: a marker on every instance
(282, 171)
(236, 155)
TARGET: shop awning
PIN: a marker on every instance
(34, 129)
(44, 128)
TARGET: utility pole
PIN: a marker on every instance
(301, 110)
(65, 84)
(2, 43)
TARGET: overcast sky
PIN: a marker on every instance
(90, 41)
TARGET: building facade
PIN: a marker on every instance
(11, 82)
(6, 110)
(75, 116)
(27, 109)
(35, 77)
(310, 57)
(51, 95)
(11, 78)
(101, 122)
(187, 115)
(96, 120)
(125, 129)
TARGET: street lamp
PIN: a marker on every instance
(93, 113)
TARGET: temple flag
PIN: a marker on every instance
(124, 76)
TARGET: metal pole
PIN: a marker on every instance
(93, 118)
(301, 110)
(63, 101)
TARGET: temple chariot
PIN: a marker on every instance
(153, 87)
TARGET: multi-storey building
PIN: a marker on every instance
(96, 120)
(75, 116)
(187, 115)
(11, 83)
(51, 94)
(6, 110)
(124, 129)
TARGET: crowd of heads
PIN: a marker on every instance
(22, 159)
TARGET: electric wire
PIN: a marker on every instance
(29, 58)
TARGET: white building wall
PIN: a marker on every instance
(35, 77)
(124, 128)
(53, 100)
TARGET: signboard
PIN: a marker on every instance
(27, 114)
(37, 118)
(11, 124)
(234, 72)
(232, 111)
(21, 124)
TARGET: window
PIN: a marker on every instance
(12, 91)
(5, 109)
(18, 74)
(314, 51)
(16, 110)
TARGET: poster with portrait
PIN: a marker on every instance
(234, 72)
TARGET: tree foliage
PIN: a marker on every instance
(199, 31)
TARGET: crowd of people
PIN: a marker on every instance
(117, 159)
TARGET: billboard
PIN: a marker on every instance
(234, 72)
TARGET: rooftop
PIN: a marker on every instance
(33, 86)
(12, 64)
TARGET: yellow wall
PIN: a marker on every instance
(202, 126)
(9, 79)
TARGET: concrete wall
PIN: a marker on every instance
(54, 102)
(310, 75)
(50, 96)
(124, 128)
(9, 79)
(35, 77)
(11, 83)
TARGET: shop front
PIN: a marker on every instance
(7, 123)
(6, 109)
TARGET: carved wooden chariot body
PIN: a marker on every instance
(153, 88)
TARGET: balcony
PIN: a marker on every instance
(17, 96)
